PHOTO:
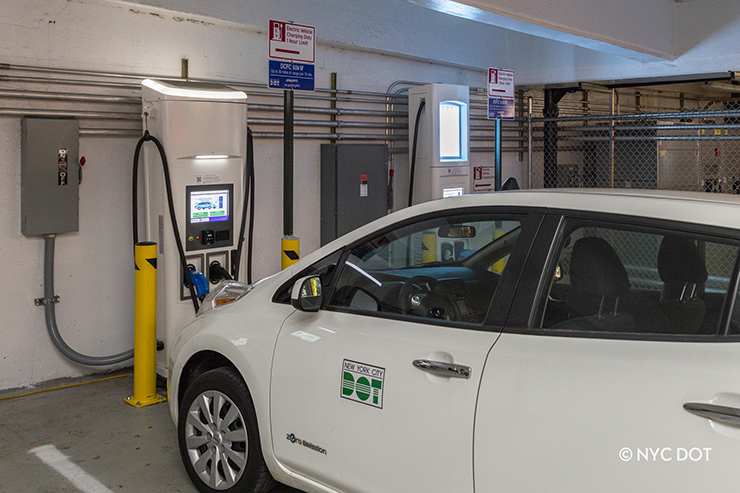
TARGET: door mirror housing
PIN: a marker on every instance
(307, 294)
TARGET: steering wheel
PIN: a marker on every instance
(424, 296)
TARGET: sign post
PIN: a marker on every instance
(501, 105)
(292, 53)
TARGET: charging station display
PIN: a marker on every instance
(451, 131)
(210, 216)
(209, 206)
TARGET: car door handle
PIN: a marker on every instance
(443, 369)
(723, 414)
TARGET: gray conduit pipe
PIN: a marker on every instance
(51, 321)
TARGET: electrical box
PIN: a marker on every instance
(49, 176)
(354, 187)
(442, 151)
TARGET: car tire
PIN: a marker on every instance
(219, 437)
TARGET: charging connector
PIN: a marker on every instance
(216, 272)
(200, 283)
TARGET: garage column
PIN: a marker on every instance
(551, 110)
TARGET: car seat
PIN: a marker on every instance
(597, 274)
(681, 268)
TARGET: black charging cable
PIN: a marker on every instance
(412, 171)
(168, 186)
(248, 204)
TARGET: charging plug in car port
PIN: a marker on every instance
(216, 272)
(198, 281)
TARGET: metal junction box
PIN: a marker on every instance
(354, 187)
(49, 176)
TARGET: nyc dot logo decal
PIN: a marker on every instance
(362, 383)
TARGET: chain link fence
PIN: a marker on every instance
(692, 145)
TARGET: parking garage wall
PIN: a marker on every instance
(93, 267)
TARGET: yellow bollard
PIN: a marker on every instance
(499, 266)
(145, 327)
(291, 251)
(428, 247)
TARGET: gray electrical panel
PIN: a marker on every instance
(49, 176)
(354, 187)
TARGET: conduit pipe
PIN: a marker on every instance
(51, 321)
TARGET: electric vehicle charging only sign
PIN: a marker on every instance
(292, 54)
(500, 94)
(292, 42)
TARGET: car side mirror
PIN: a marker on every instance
(306, 295)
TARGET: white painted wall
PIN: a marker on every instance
(94, 275)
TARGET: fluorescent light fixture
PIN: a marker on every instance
(213, 156)
(194, 92)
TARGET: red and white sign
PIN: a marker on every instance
(500, 83)
(483, 177)
(294, 42)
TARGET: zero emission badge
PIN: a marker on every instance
(362, 383)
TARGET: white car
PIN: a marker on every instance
(515, 341)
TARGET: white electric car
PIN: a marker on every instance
(513, 341)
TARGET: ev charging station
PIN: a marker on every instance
(203, 130)
(442, 166)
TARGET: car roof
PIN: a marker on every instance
(715, 209)
(711, 209)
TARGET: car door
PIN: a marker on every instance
(614, 393)
(374, 393)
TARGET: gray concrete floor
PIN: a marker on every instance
(124, 448)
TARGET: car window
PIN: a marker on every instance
(444, 268)
(616, 279)
(734, 327)
(323, 268)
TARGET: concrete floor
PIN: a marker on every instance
(109, 444)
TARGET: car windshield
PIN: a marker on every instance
(469, 242)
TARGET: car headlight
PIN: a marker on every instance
(225, 293)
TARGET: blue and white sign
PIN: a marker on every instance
(500, 109)
(292, 76)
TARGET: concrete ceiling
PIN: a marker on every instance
(635, 29)
(468, 33)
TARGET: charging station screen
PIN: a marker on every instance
(450, 131)
(451, 192)
(209, 206)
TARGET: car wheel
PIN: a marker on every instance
(218, 435)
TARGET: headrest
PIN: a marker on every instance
(595, 269)
(680, 262)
